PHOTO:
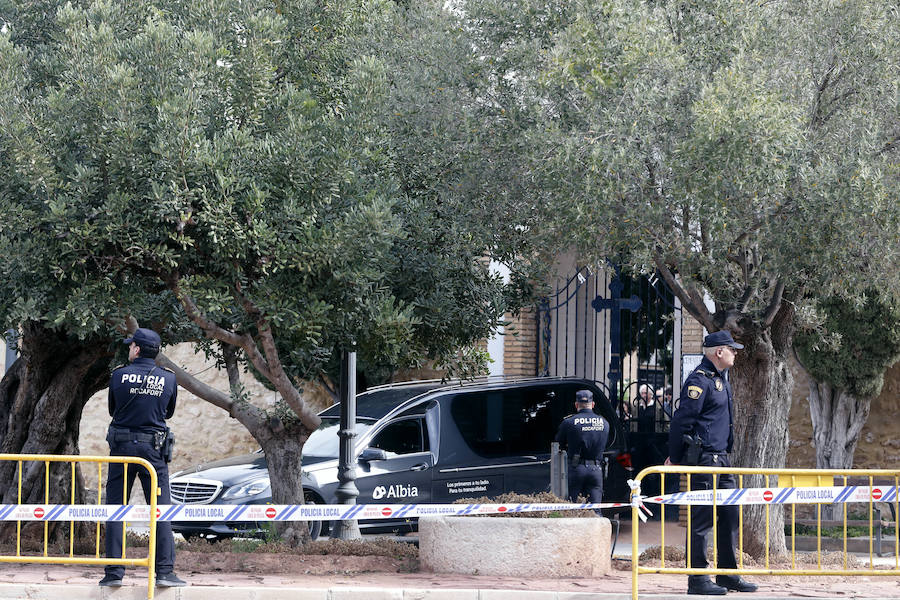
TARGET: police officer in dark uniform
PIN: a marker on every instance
(141, 398)
(702, 433)
(583, 435)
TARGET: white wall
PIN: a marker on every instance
(495, 344)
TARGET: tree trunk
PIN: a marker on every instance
(41, 399)
(763, 382)
(279, 431)
(837, 420)
(282, 444)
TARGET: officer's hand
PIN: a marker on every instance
(668, 462)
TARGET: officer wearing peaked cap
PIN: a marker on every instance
(702, 433)
(583, 435)
(141, 397)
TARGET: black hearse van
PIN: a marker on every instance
(418, 442)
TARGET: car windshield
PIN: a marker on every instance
(378, 402)
(324, 441)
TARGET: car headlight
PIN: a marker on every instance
(250, 488)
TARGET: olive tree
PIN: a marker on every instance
(846, 357)
(237, 174)
(747, 152)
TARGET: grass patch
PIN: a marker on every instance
(838, 532)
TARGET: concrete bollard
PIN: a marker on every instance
(568, 547)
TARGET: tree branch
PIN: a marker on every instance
(249, 416)
(888, 146)
(758, 223)
(275, 372)
(329, 387)
(834, 105)
(746, 297)
(282, 382)
(821, 86)
(704, 236)
(774, 304)
(231, 365)
(195, 386)
(859, 412)
(213, 331)
(269, 366)
(691, 300)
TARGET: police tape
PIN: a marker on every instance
(788, 495)
(339, 512)
(271, 512)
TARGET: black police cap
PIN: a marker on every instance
(145, 338)
(584, 396)
(720, 338)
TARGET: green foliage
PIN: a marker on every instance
(854, 346)
(270, 161)
(652, 331)
(745, 146)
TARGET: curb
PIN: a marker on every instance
(83, 592)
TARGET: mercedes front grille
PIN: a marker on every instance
(187, 490)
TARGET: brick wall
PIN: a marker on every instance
(520, 344)
(691, 334)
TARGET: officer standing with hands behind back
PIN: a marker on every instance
(141, 398)
(702, 433)
(583, 435)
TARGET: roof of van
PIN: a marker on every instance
(378, 401)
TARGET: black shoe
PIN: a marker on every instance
(170, 580)
(735, 583)
(111, 581)
(705, 587)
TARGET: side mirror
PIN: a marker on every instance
(370, 454)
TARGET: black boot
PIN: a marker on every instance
(701, 585)
(735, 583)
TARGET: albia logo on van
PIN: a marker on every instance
(395, 491)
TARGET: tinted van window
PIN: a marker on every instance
(402, 437)
(518, 421)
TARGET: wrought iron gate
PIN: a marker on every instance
(624, 332)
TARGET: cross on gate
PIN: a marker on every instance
(616, 304)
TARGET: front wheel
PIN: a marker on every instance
(317, 529)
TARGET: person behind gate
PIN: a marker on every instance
(583, 435)
(141, 397)
(702, 433)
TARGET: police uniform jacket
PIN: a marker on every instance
(584, 434)
(142, 396)
(705, 409)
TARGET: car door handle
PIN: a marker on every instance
(419, 467)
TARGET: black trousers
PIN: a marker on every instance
(586, 480)
(702, 518)
(115, 484)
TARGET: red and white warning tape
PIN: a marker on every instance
(338, 512)
(268, 512)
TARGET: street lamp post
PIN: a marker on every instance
(347, 492)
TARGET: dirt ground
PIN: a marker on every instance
(288, 569)
(286, 563)
(391, 564)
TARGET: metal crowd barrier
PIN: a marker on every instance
(804, 486)
(48, 514)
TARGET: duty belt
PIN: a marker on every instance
(126, 435)
(715, 454)
(588, 461)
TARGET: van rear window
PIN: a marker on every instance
(511, 422)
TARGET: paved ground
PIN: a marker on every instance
(46, 582)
